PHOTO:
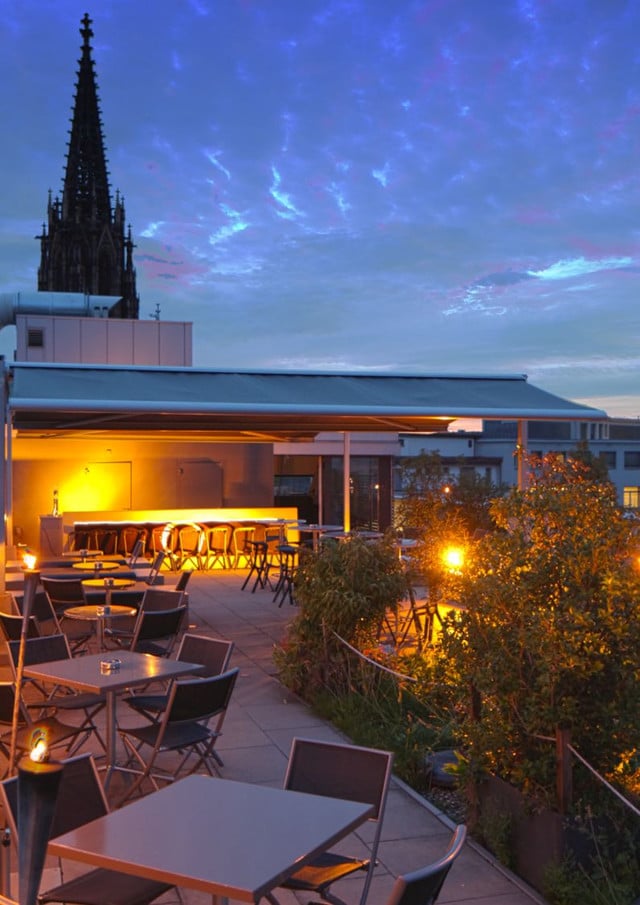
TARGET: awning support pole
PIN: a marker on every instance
(347, 481)
(521, 452)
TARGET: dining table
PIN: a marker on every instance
(100, 614)
(96, 565)
(100, 674)
(316, 532)
(232, 840)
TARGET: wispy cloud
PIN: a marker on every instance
(577, 267)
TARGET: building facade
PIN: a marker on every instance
(491, 452)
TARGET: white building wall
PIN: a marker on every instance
(101, 340)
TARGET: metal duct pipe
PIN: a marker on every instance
(74, 304)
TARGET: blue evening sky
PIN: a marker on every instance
(389, 185)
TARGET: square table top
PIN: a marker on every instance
(218, 836)
(84, 672)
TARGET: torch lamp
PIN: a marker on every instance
(31, 579)
(38, 782)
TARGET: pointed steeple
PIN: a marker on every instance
(83, 246)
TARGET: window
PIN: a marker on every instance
(609, 458)
(632, 458)
(293, 484)
(631, 498)
(35, 338)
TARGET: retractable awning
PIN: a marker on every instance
(267, 406)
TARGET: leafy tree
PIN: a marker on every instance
(550, 633)
(596, 465)
(442, 512)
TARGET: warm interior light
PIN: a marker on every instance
(29, 560)
(453, 558)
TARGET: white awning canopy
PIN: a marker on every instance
(266, 406)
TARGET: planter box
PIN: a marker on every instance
(535, 840)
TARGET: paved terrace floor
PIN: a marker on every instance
(263, 719)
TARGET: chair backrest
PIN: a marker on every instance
(156, 565)
(159, 626)
(41, 608)
(7, 701)
(64, 592)
(107, 541)
(43, 649)
(183, 581)
(241, 536)
(212, 653)
(159, 598)
(343, 771)
(422, 887)
(200, 699)
(219, 536)
(191, 537)
(136, 552)
(340, 771)
(11, 626)
(82, 539)
(80, 797)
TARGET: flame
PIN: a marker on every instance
(29, 560)
(39, 750)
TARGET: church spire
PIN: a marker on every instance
(83, 246)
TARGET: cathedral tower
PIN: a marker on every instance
(84, 246)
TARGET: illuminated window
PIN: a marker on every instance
(631, 498)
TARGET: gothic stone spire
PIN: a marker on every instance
(83, 246)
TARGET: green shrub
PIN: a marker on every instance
(343, 589)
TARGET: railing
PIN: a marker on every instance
(564, 778)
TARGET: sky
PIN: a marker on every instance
(416, 186)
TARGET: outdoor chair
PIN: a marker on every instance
(423, 886)
(215, 548)
(240, 545)
(155, 632)
(11, 626)
(136, 552)
(153, 598)
(64, 593)
(183, 581)
(339, 771)
(81, 539)
(156, 565)
(191, 544)
(183, 727)
(161, 598)
(49, 729)
(80, 800)
(47, 649)
(41, 610)
(211, 653)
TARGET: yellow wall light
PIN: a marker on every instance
(453, 558)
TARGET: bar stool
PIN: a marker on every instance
(258, 565)
(288, 565)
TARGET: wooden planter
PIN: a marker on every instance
(535, 841)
